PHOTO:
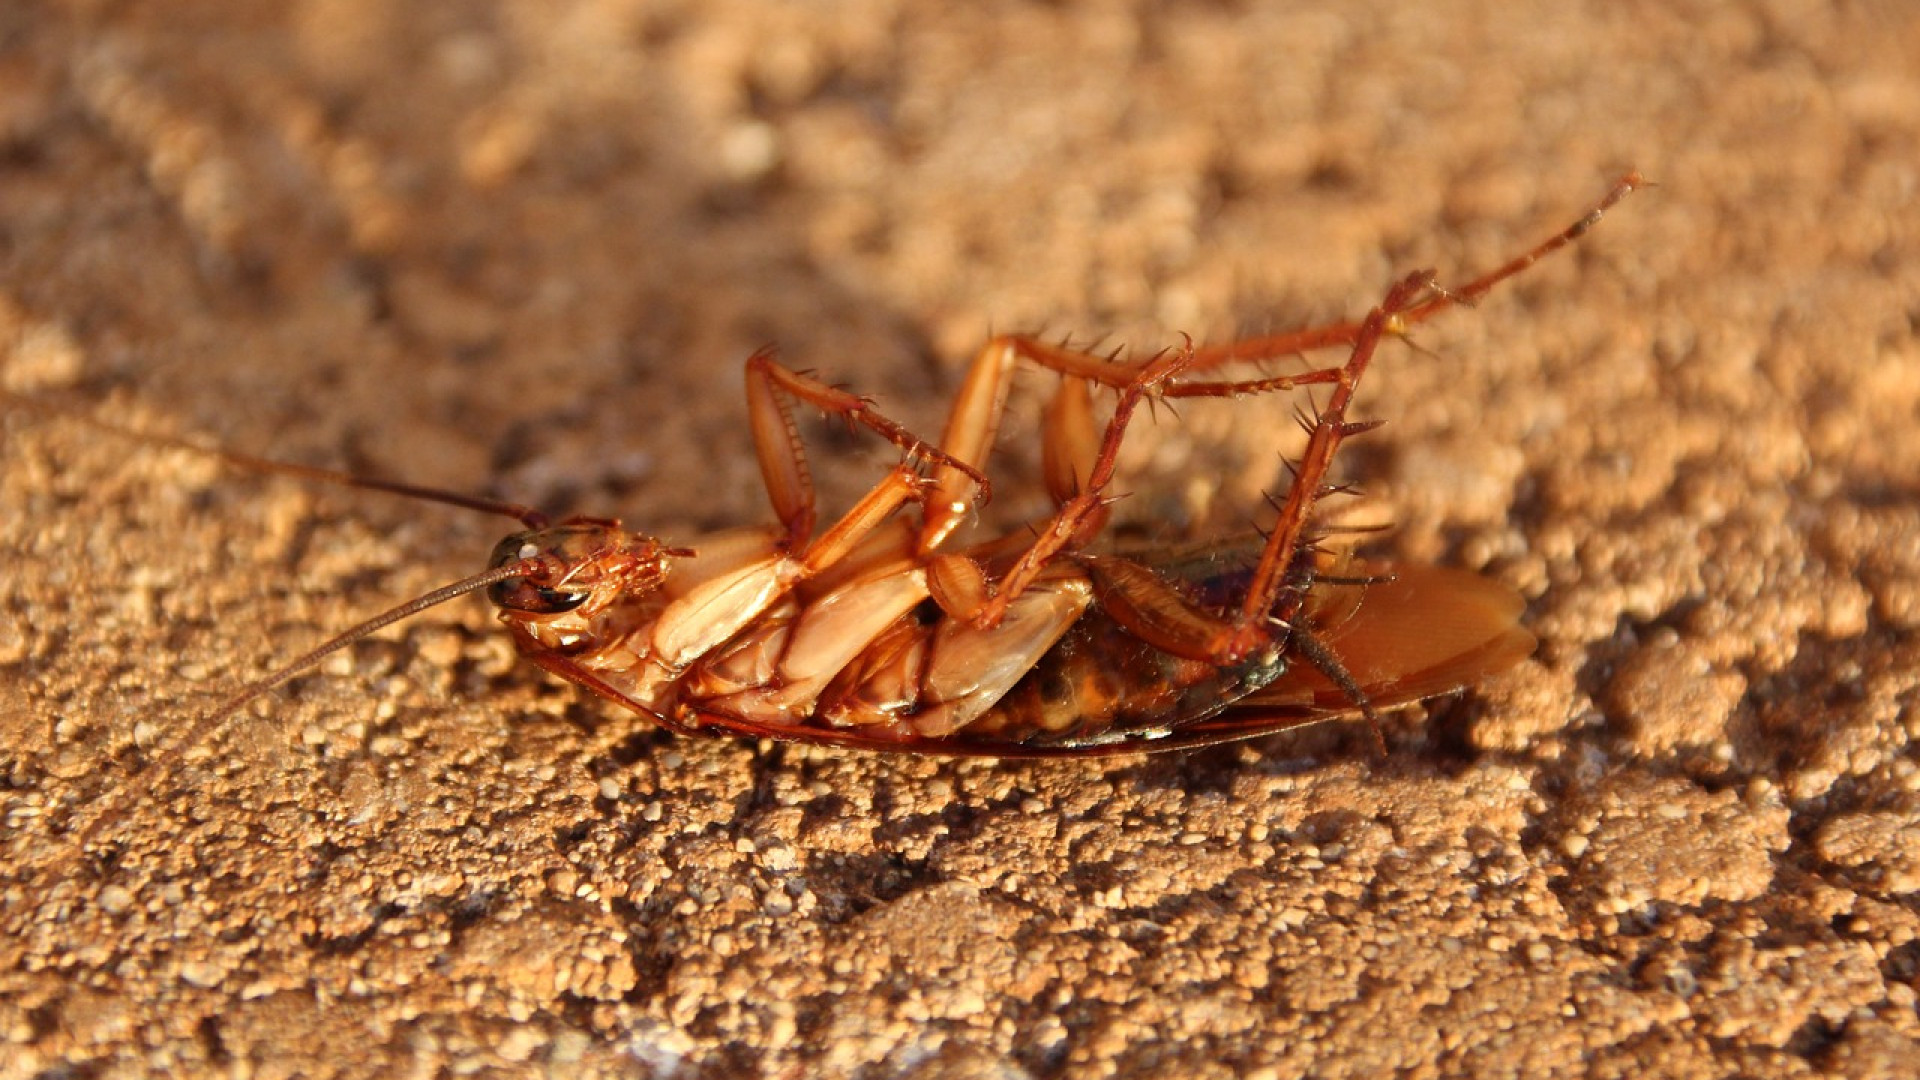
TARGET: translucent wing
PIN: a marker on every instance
(1427, 631)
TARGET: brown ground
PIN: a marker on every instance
(524, 246)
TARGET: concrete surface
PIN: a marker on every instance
(523, 247)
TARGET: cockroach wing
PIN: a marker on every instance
(1426, 630)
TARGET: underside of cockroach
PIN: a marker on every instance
(866, 658)
(880, 632)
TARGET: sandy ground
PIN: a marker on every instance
(522, 248)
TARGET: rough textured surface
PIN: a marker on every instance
(524, 246)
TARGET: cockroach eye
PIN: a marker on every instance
(524, 594)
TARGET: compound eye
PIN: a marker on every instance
(518, 594)
(525, 594)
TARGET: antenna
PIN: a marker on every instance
(527, 515)
(218, 720)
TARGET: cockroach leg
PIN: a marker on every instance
(1077, 462)
(1070, 446)
(968, 437)
(1271, 605)
(1069, 439)
(1263, 604)
(1080, 516)
(771, 386)
(1136, 598)
(564, 667)
(899, 487)
(1327, 662)
(1293, 343)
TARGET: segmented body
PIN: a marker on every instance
(875, 632)
(864, 657)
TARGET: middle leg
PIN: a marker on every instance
(1078, 463)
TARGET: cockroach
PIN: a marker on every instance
(881, 632)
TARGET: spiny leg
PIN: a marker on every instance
(1158, 613)
(771, 387)
(958, 584)
(902, 485)
(1109, 372)
(1081, 514)
(1263, 606)
(1078, 462)
(1071, 443)
(1115, 373)
(1148, 606)
(1413, 300)
(1270, 611)
(1069, 440)
(1256, 349)
(972, 423)
(1071, 447)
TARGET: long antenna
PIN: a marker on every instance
(216, 722)
(531, 518)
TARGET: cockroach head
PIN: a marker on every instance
(576, 564)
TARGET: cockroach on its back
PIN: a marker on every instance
(878, 632)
